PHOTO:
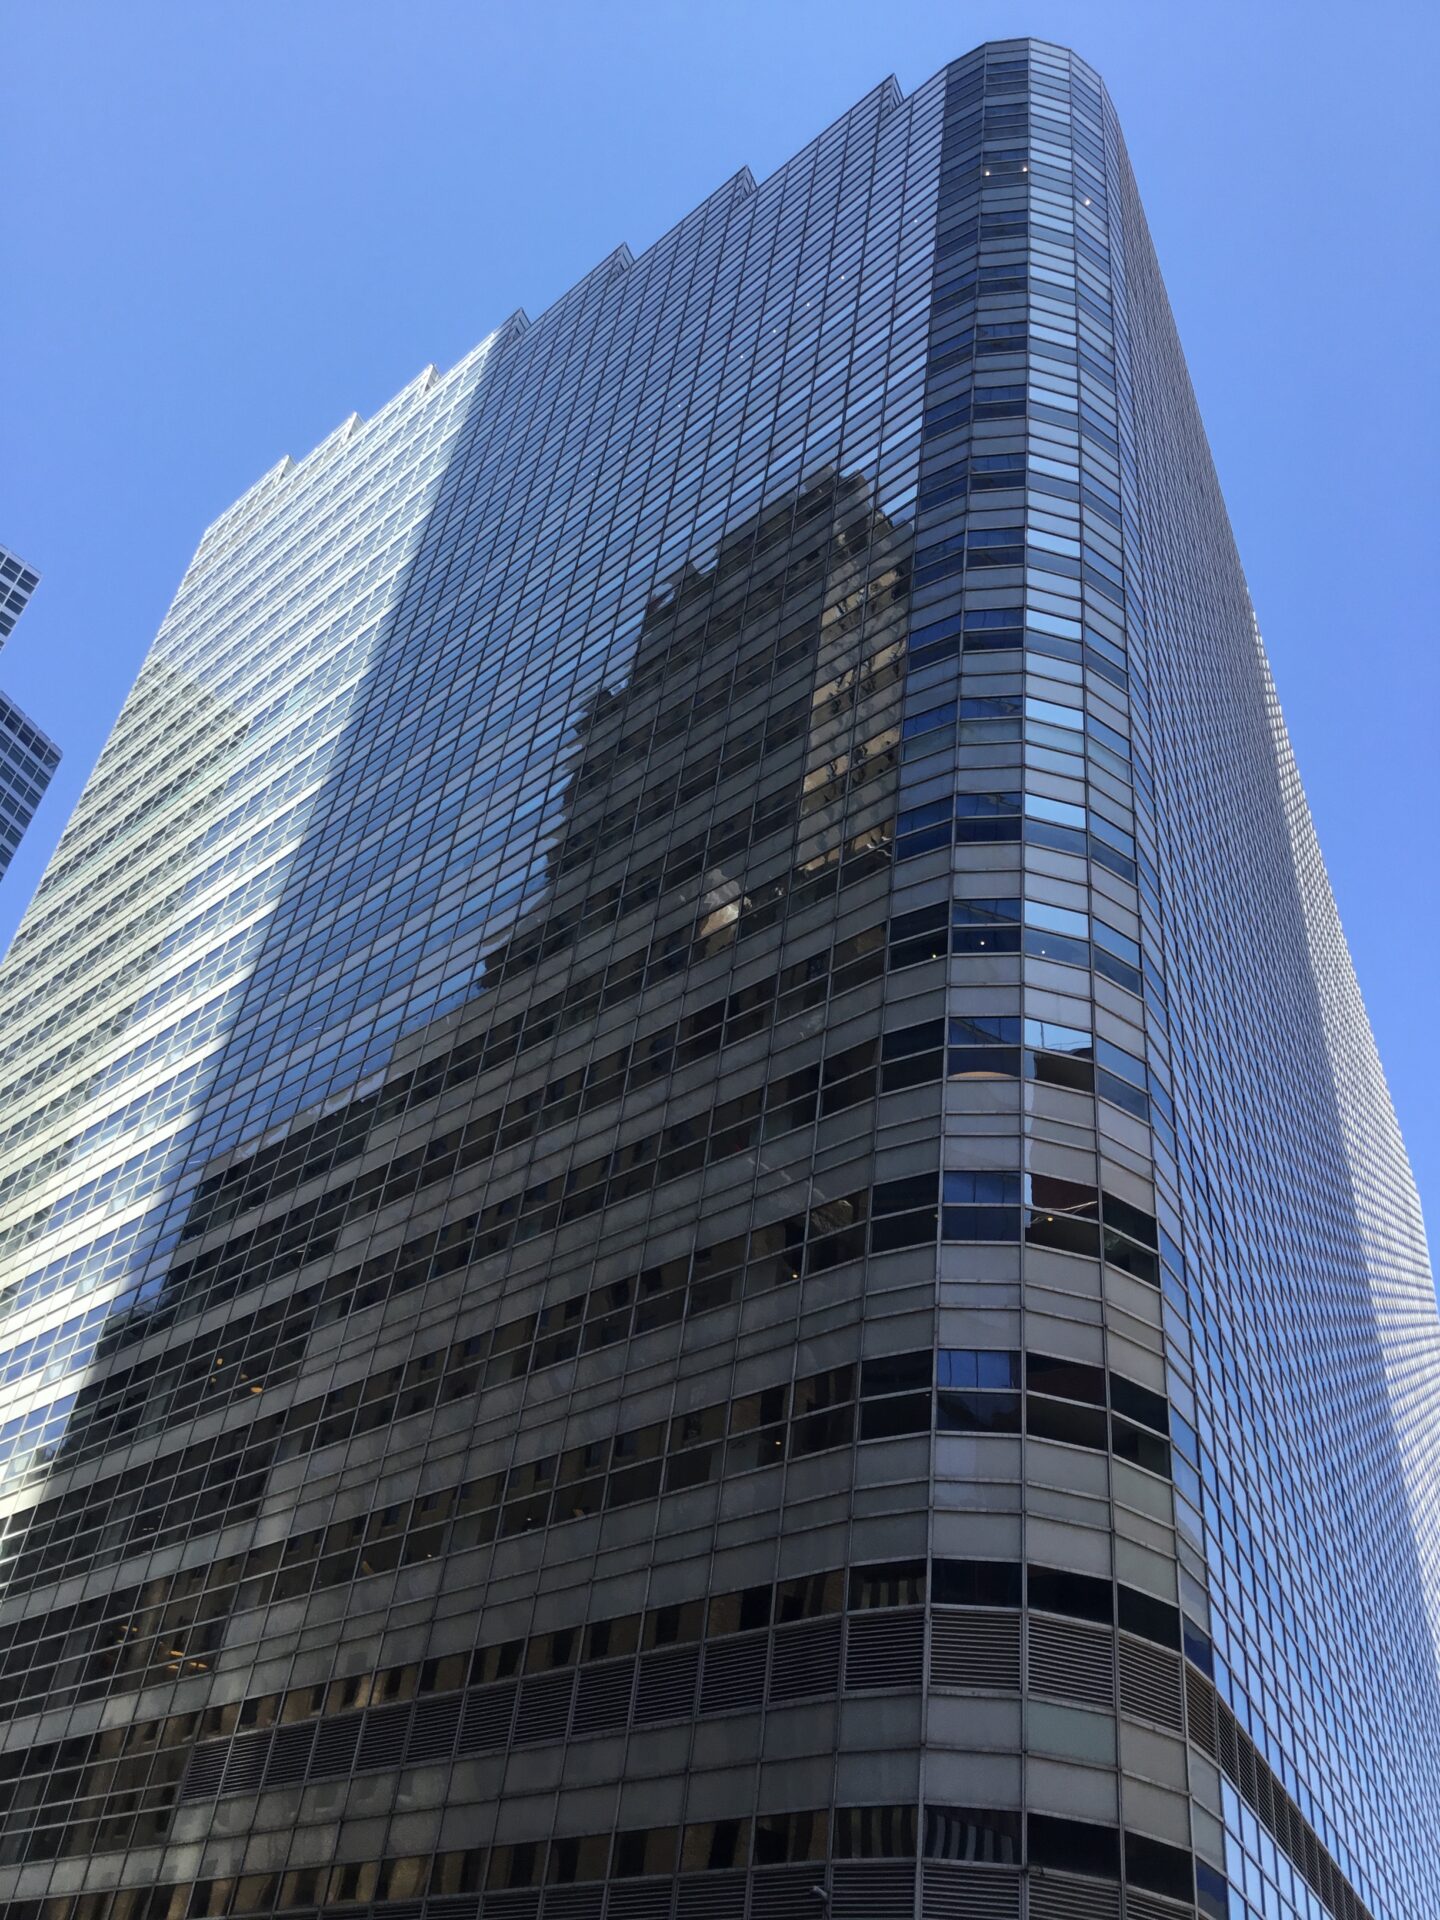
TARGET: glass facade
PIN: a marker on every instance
(696, 1214)
(27, 758)
(17, 583)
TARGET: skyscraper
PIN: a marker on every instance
(27, 758)
(17, 583)
(698, 1216)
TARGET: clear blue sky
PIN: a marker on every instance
(232, 223)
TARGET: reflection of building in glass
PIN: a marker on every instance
(684, 1216)
(27, 758)
(710, 655)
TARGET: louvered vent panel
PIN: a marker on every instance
(806, 1661)
(245, 1768)
(783, 1893)
(637, 1900)
(1292, 1834)
(1306, 1846)
(335, 1746)
(432, 1732)
(666, 1688)
(453, 1906)
(1313, 1862)
(1200, 1706)
(505, 1906)
(1150, 1683)
(733, 1677)
(969, 1648)
(575, 1903)
(1054, 1898)
(970, 1893)
(1069, 1661)
(1229, 1753)
(602, 1697)
(872, 1890)
(399, 1909)
(1145, 1906)
(485, 1723)
(203, 1775)
(1245, 1771)
(289, 1760)
(544, 1710)
(1265, 1792)
(711, 1896)
(885, 1650)
(383, 1740)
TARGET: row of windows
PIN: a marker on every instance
(150, 1758)
(978, 926)
(850, 863)
(149, 1110)
(386, 472)
(176, 1495)
(974, 1649)
(290, 1163)
(903, 1057)
(977, 1049)
(83, 848)
(30, 747)
(304, 1231)
(986, 1836)
(206, 970)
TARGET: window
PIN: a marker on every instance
(713, 1845)
(978, 1391)
(781, 1837)
(987, 1836)
(1151, 1619)
(975, 1583)
(516, 1865)
(1081, 1596)
(981, 1206)
(875, 1833)
(982, 1048)
(888, 1583)
(582, 1858)
(1159, 1868)
(1062, 1215)
(648, 1850)
(985, 926)
(1057, 933)
(1074, 1846)
(987, 817)
(1059, 1055)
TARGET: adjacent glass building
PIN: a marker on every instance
(697, 1217)
(27, 757)
(17, 583)
(27, 760)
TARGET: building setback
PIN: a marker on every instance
(697, 1218)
